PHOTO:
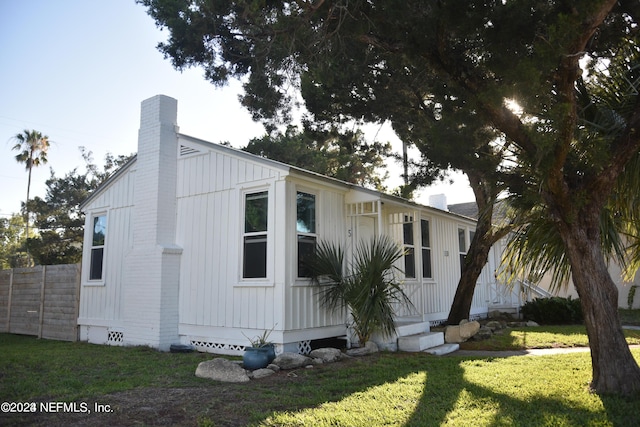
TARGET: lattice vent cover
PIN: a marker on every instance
(206, 345)
(115, 336)
(304, 347)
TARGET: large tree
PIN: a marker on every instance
(431, 68)
(58, 218)
(344, 155)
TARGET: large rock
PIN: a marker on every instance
(483, 334)
(469, 329)
(494, 325)
(327, 355)
(222, 370)
(369, 348)
(452, 334)
(291, 361)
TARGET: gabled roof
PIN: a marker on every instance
(294, 170)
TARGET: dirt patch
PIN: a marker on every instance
(215, 403)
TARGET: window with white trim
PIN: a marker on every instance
(462, 246)
(254, 239)
(305, 230)
(409, 248)
(426, 249)
(97, 247)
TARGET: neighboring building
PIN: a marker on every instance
(197, 243)
(543, 288)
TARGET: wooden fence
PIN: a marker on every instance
(41, 301)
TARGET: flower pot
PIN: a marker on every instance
(255, 357)
(271, 351)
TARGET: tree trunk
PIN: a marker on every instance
(474, 263)
(485, 236)
(614, 368)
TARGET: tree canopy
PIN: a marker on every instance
(344, 155)
(59, 223)
(512, 90)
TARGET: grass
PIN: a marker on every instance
(31, 368)
(393, 389)
(563, 336)
(629, 317)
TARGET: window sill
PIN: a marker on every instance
(94, 283)
(254, 284)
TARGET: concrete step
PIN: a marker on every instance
(404, 329)
(420, 342)
(443, 349)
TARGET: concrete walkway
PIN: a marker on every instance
(531, 352)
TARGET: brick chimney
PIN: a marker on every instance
(152, 273)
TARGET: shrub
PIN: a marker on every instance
(553, 311)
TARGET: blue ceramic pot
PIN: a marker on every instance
(271, 351)
(255, 357)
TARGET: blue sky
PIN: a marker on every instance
(77, 70)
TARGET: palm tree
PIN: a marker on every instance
(537, 247)
(33, 147)
(366, 286)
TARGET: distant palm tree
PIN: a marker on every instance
(33, 147)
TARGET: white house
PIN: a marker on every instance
(197, 243)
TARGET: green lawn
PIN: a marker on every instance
(561, 336)
(394, 389)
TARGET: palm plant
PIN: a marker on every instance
(537, 247)
(366, 286)
(33, 147)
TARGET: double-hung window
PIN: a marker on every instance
(409, 248)
(305, 230)
(426, 249)
(462, 246)
(97, 247)
(254, 259)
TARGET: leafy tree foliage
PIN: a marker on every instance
(58, 217)
(342, 155)
(12, 231)
(447, 74)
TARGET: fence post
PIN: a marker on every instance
(40, 321)
(78, 279)
(9, 301)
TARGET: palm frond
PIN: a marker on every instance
(367, 286)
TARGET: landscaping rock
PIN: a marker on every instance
(291, 361)
(483, 334)
(452, 334)
(327, 355)
(469, 329)
(262, 373)
(495, 314)
(494, 325)
(461, 333)
(369, 348)
(531, 323)
(274, 368)
(221, 369)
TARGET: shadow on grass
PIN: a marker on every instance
(439, 391)
(450, 398)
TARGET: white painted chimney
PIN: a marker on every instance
(152, 275)
(438, 201)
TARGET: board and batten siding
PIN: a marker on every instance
(210, 191)
(304, 310)
(432, 297)
(101, 302)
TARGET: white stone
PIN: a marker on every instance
(221, 369)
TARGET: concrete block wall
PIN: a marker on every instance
(153, 267)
